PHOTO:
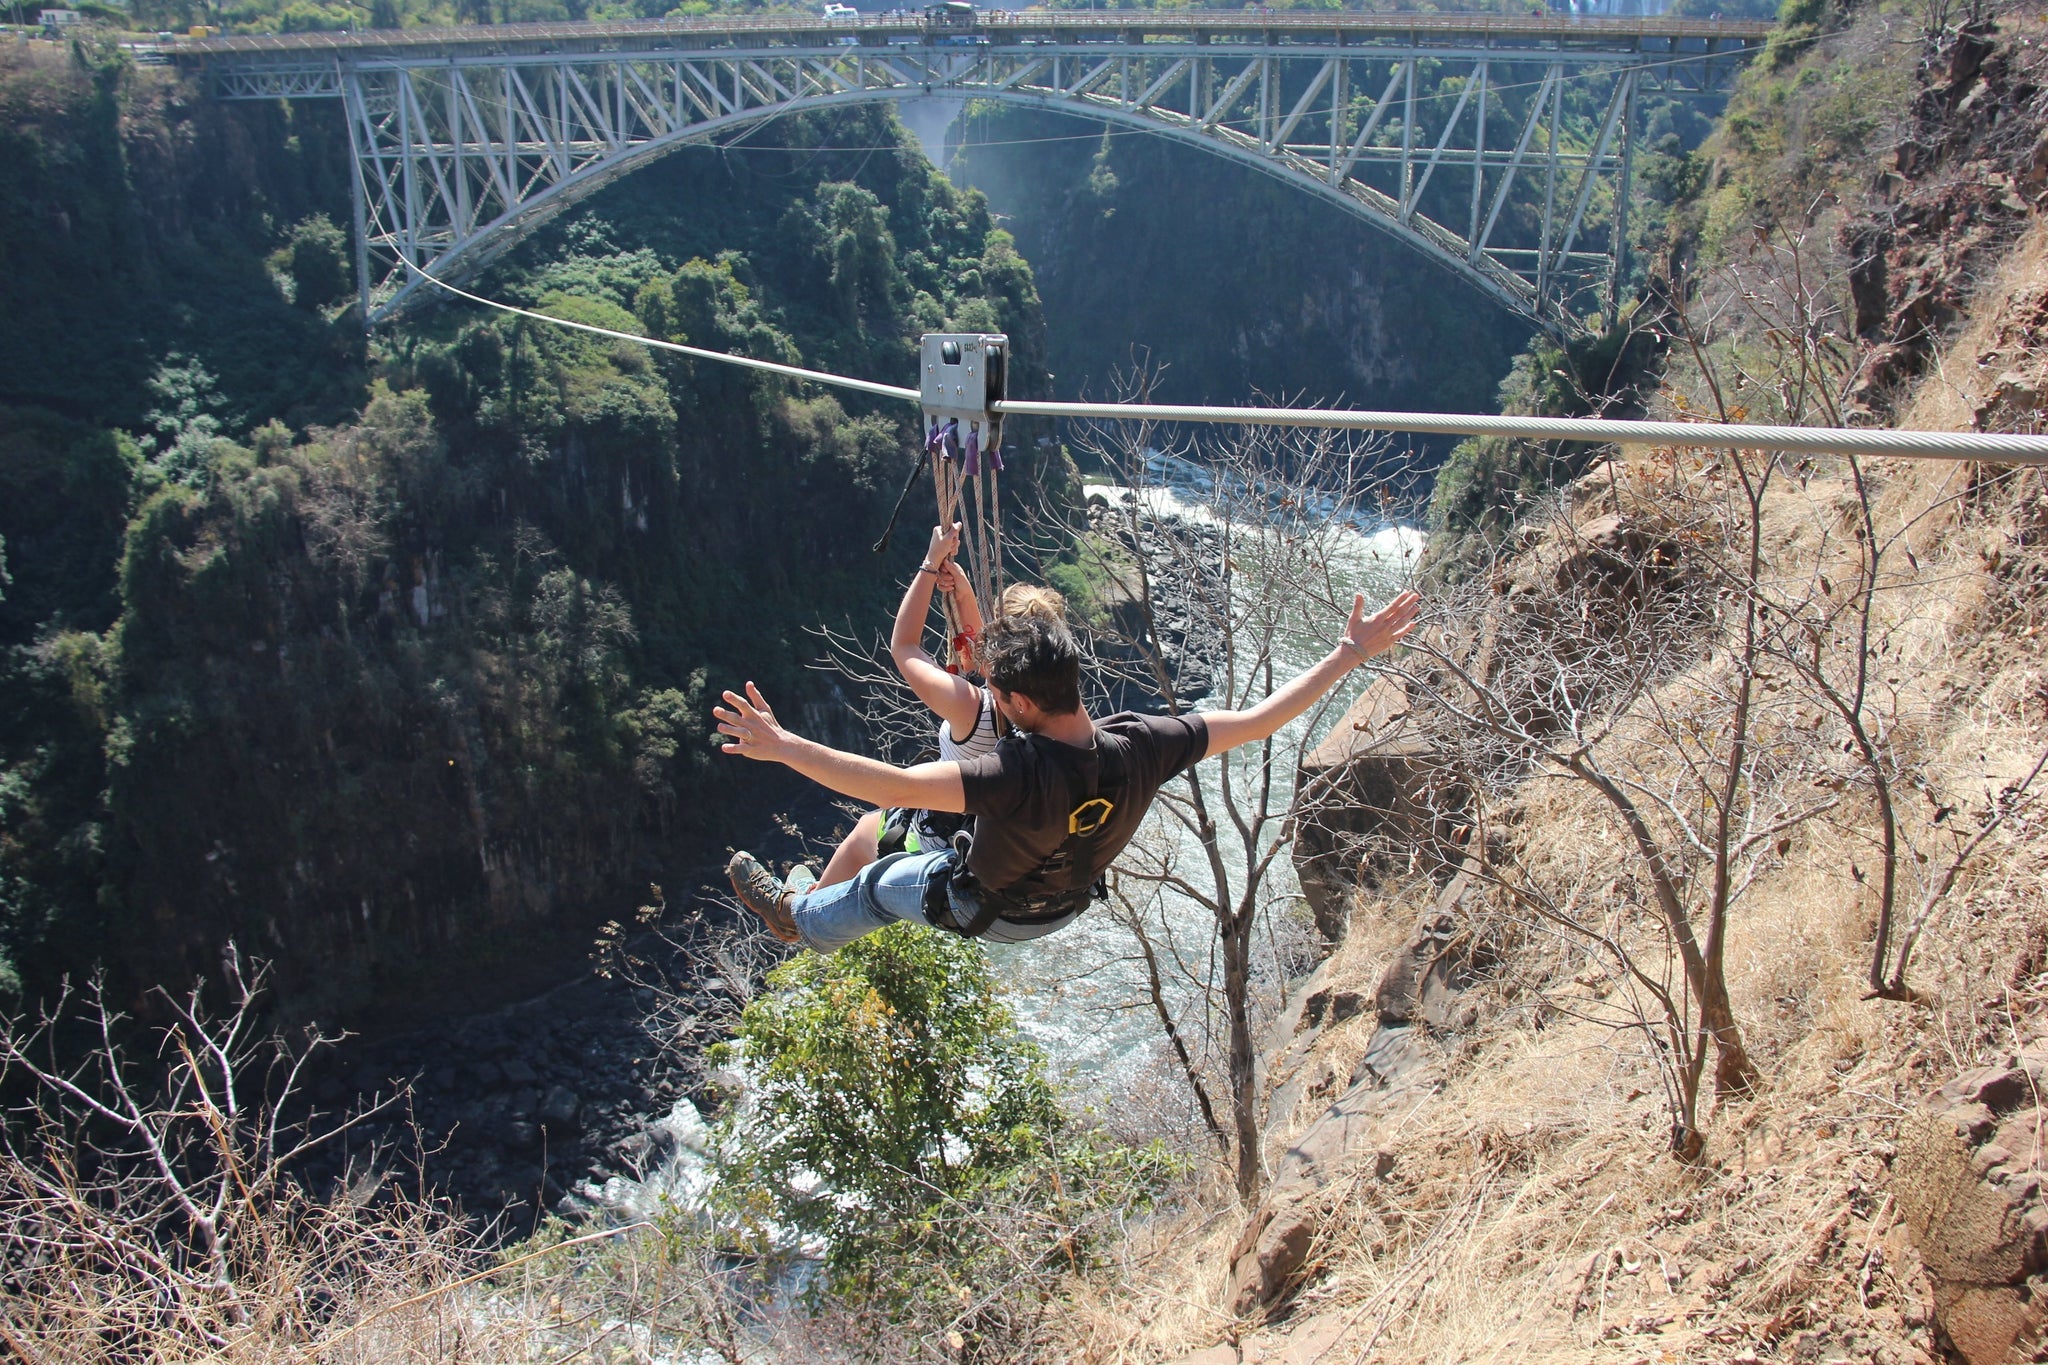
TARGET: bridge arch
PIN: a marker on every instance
(490, 240)
(465, 141)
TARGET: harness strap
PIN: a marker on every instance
(938, 900)
(1085, 819)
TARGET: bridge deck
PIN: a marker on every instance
(1124, 26)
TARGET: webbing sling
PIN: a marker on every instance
(1085, 818)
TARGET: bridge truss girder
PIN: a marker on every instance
(456, 156)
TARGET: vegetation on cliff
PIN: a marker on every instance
(392, 662)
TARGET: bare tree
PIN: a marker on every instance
(1611, 661)
(1774, 336)
(699, 966)
(147, 1195)
(1215, 569)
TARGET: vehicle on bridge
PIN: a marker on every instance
(949, 15)
(841, 14)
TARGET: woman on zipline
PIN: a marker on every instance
(964, 707)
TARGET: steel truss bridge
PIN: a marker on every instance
(464, 139)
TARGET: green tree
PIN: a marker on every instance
(190, 417)
(865, 279)
(1102, 181)
(316, 258)
(890, 1078)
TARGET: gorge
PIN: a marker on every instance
(384, 656)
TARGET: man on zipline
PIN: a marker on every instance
(1053, 805)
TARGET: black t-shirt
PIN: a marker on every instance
(1025, 794)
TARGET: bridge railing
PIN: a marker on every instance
(993, 22)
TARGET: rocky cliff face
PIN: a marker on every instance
(1956, 190)
(1432, 1066)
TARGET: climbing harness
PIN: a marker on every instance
(1039, 899)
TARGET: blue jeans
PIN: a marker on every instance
(886, 890)
(891, 889)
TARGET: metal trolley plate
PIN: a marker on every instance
(962, 374)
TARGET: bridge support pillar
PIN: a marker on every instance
(1618, 271)
(352, 104)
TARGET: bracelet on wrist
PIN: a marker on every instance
(926, 568)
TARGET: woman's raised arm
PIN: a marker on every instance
(951, 697)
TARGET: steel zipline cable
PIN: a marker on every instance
(748, 362)
(1871, 441)
(1987, 447)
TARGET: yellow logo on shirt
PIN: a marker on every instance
(1089, 816)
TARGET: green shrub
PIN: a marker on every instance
(900, 1115)
(316, 258)
(890, 1075)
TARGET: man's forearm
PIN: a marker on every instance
(1228, 729)
(928, 786)
(1304, 690)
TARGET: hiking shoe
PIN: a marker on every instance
(758, 890)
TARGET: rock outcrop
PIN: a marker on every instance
(1181, 561)
(1416, 999)
(1968, 1181)
(1958, 189)
(1274, 1248)
(1619, 562)
(1369, 799)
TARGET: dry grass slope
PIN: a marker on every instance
(1530, 1212)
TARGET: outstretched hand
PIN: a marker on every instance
(1385, 628)
(751, 725)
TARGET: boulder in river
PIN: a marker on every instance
(559, 1108)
